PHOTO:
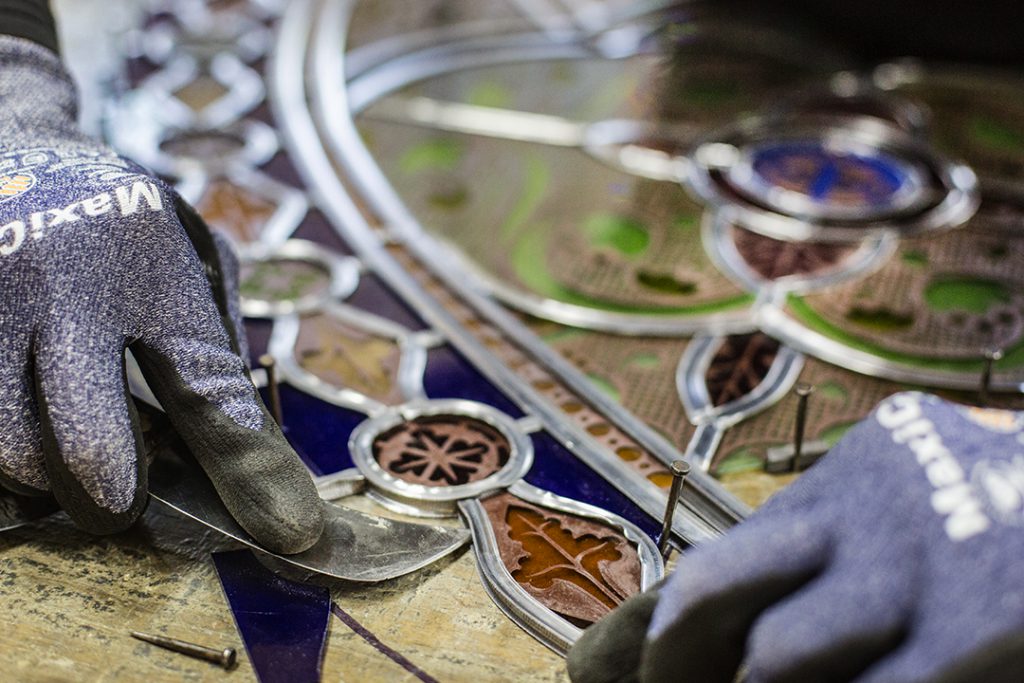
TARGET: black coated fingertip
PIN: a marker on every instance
(610, 650)
(257, 474)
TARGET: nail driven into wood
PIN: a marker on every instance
(224, 658)
(803, 393)
(267, 361)
(679, 469)
(992, 356)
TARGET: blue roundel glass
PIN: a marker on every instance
(827, 179)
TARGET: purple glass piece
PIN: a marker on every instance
(376, 297)
(315, 228)
(283, 624)
(559, 471)
(449, 375)
(317, 430)
(257, 332)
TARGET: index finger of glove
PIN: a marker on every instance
(706, 609)
(833, 628)
(205, 389)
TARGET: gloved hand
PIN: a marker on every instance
(97, 256)
(899, 557)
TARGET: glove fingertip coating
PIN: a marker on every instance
(14, 486)
(609, 651)
(257, 474)
(996, 662)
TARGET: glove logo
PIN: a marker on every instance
(127, 199)
(1002, 484)
(953, 497)
(16, 184)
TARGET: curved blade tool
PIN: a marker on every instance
(16, 511)
(354, 547)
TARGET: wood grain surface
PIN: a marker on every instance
(68, 601)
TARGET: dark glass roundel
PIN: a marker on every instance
(817, 179)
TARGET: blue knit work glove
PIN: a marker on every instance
(898, 558)
(97, 256)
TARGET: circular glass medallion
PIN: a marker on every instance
(421, 457)
(441, 450)
(838, 180)
(295, 277)
(823, 179)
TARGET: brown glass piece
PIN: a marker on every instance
(235, 210)
(573, 565)
(206, 145)
(200, 93)
(741, 363)
(773, 259)
(441, 450)
(345, 357)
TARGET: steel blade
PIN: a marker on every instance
(354, 547)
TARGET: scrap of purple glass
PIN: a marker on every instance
(283, 624)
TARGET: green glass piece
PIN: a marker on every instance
(832, 435)
(489, 94)
(605, 385)
(621, 233)
(973, 296)
(645, 361)
(740, 460)
(536, 182)
(915, 258)
(879, 319)
(431, 155)
(996, 135)
(665, 283)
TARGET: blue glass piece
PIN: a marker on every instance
(282, 623)
(825, 181)
(449, 375)
(559, 471)
(376, 297)
(831, 176)
(317, 430)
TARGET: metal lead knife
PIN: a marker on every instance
(16, 511)
(354, 547)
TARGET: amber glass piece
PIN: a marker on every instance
(575, 566)
(200, 93)
(235, 210)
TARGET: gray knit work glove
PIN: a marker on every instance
(97, 256)
(898, 558)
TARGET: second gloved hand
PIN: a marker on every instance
(896, 559)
